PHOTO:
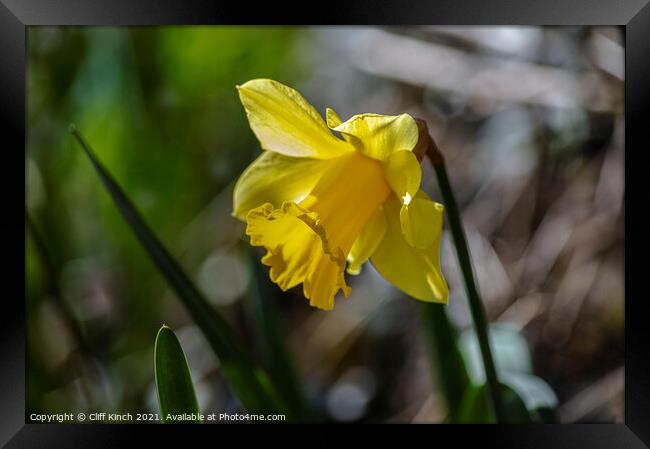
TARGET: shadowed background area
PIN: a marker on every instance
(529, 119)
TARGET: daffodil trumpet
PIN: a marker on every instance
(325, 196)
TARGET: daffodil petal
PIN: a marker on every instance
(333, 119)
(417, 218)
(378, 136)
(275, 178)
(404, 174)
(367, 242)
(286, 123)
(298, 251)
(414, 271)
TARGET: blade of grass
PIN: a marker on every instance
(250, 382)
(174, 385)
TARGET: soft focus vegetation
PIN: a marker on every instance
(529, 119)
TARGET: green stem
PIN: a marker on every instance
(465, 263)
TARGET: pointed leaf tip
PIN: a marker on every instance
(176, 396)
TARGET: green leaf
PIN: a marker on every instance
(514, 369)
(510, 350)
(537, 395)
(176, 395)
(447, 361)
(251, 384)
(474, 408)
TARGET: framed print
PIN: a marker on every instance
(426, 218)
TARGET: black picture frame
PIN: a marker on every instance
(633, 15)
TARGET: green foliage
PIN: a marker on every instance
(162, 102)
(448, 362)
(514, 368)
(475, 409)
(271, 336)
(249, 381)
(173, 380)
(460, 374)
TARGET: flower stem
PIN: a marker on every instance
(462, 251)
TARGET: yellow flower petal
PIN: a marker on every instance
(378, 136)
(347, 196)
(275, 178)
(417, 217)
(416, 272)
(367, 242)
(284, 122)
(297, 251)
(308, 242)
(333, 119)
(404, 174)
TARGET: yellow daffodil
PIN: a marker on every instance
(316, 201)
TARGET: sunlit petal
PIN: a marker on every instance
(414, 271)
(403, 173)
(308, 242)
(378, 136)
(275, 178)
(367, 242)
(298, 251)
(333, 119)
(286, 123)
(418, 217)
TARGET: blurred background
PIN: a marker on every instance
(530, 121)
